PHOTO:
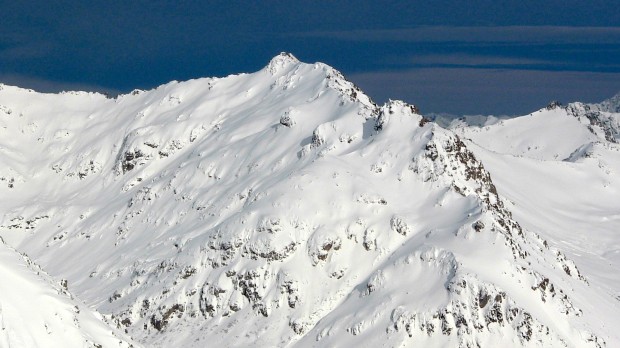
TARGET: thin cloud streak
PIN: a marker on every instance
(464, 60)
(494, 34)
(27, 51)
(486, 91)
(474, 60)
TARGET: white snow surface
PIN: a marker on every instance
(37, 312)
(284, 208)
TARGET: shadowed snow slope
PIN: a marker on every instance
(37, 312)
(285, 208)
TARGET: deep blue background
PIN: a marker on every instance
(462, 57)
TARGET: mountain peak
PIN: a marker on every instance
(611, 105)
(281, 61)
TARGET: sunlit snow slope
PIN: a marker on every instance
(285, 208)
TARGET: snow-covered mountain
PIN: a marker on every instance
(285, 208)
(610, 105)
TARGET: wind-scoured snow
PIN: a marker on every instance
(285, 208)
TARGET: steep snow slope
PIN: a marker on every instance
(285, 208)
(573, 204)
(36, 312)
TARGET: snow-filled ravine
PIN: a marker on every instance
(285, 208)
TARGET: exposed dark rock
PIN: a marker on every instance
(553, 105)
(399, 225)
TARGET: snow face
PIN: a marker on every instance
(35, 311)
(285, 208)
